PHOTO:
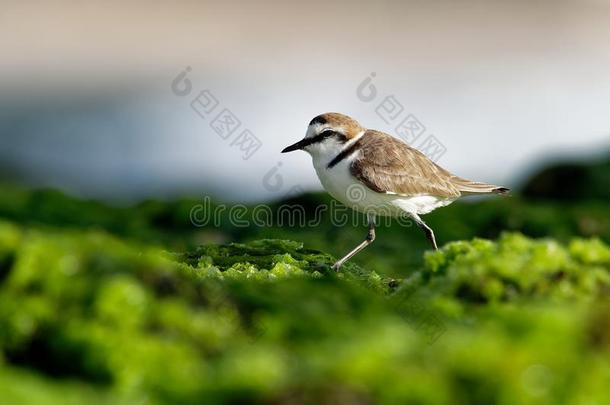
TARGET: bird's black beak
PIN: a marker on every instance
(296, 146)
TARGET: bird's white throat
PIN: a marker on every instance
(322, 153)
(338, 180)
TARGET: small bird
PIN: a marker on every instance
(377, 174)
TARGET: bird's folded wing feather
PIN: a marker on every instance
(387, 165)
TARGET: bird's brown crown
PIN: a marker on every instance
(338, 122)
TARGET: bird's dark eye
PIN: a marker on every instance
(337, 135)
(330, 133)
(326, 134)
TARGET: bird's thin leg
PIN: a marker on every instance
(370, 237)
(427, 230)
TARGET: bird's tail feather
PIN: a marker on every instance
(468, 187)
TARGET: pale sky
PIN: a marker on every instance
(87, 103)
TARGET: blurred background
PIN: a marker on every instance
(129, 130)
(87, 105)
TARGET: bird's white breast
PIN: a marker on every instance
(338, 180)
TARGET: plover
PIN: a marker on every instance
(377, 174)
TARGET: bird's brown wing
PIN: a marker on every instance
(387, 165)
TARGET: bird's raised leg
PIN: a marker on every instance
(427, 230)
(370, 237)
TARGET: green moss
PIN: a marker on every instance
(397, 250)
(86, 315)
(96, 306)
(517, 267)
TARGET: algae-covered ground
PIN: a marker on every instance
(100, 304)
